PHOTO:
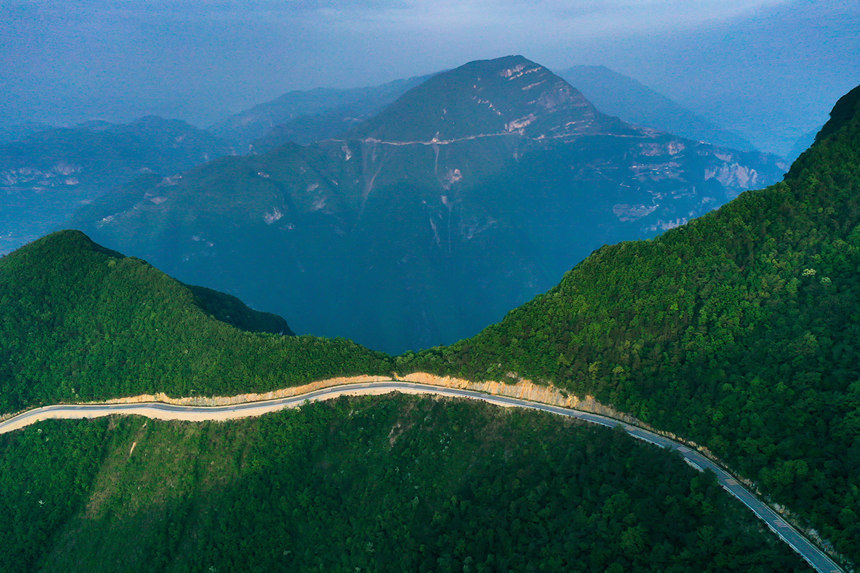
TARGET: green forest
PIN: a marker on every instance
(391, 483)
(79, 322)
(738, 330)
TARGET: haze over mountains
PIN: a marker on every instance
(465, 197)
(48, 174)
(308, 116)
(738, 330)
(621, 96)
(38, 154)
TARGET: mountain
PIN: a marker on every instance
(622, 96)
(464, 198)
(80, 322)
(14, 132)
(737, 330)
(383, 483)
(45, 176)
(307, 116)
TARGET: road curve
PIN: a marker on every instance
(157, 410)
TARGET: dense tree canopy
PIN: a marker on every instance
(371, 484)
(738, 330)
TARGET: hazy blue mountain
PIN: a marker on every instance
(14, 132)
(467, 196)
(307, 129)
(79, 322)
(47, 175)
(624, 97)
(306, 116)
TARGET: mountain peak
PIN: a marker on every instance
(505, 96)
(845, 110)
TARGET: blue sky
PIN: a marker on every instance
(743, 63)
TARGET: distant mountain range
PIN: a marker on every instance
(48, 174)
(465, 197)
(14, 132)
(622, 96)
(38, 161)
(305, 117)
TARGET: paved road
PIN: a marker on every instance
(777, 524)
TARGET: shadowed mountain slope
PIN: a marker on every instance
(467, 196)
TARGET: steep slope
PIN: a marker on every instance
(79, 322)
(46, 176)
(738, 330)
(624, 97)
(802, 144)
(467, 196)
(391, 483)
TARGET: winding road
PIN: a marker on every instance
(157, 410)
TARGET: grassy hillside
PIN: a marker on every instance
(79, 322)
(738, 330)
(371, 484)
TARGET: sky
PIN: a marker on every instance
(770, 70)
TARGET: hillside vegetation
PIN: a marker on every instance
(738, 330)
(366, 484)
(79, 322)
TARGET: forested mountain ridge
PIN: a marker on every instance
(383, 483)
(737, 330)
(464, 198)
(79, 322)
